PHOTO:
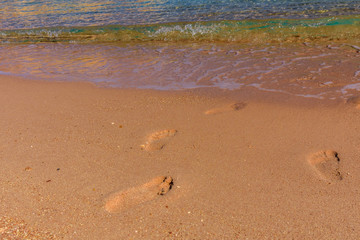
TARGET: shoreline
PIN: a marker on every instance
(249, 165)
(252, 94)
(325, 72)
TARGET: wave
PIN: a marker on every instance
(245, 31)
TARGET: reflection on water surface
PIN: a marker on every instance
(49, 13)
(321, 72)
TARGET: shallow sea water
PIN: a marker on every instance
(305, 48)
(25, 14)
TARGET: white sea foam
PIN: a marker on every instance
(357, 73)
(172, 66)
(346, 88)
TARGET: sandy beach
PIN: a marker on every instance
(82, 162)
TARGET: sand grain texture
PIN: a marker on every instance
(327, 165)
(11, 228)
(64, 147)
(158, 140)
(137, 195)
(226, 108)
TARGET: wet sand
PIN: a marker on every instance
(80, 162)
(325, 71)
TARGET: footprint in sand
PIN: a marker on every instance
(228, 108)
(327, 165)
(355, 101)
(158, 140)
(137, 195)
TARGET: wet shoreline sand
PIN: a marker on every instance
(310, 69)
(81, 162)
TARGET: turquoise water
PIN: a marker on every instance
(245, 31)
(159, 20)
(295, 47)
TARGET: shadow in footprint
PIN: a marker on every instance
(158, 140)
(132, 197)
(228, 108)
(354, 101)
(327, 165)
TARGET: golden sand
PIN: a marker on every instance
(80, 162)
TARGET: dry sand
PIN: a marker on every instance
(80, 162)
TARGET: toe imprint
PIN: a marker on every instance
(131, 197)
(165, 186)
(327, 165)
